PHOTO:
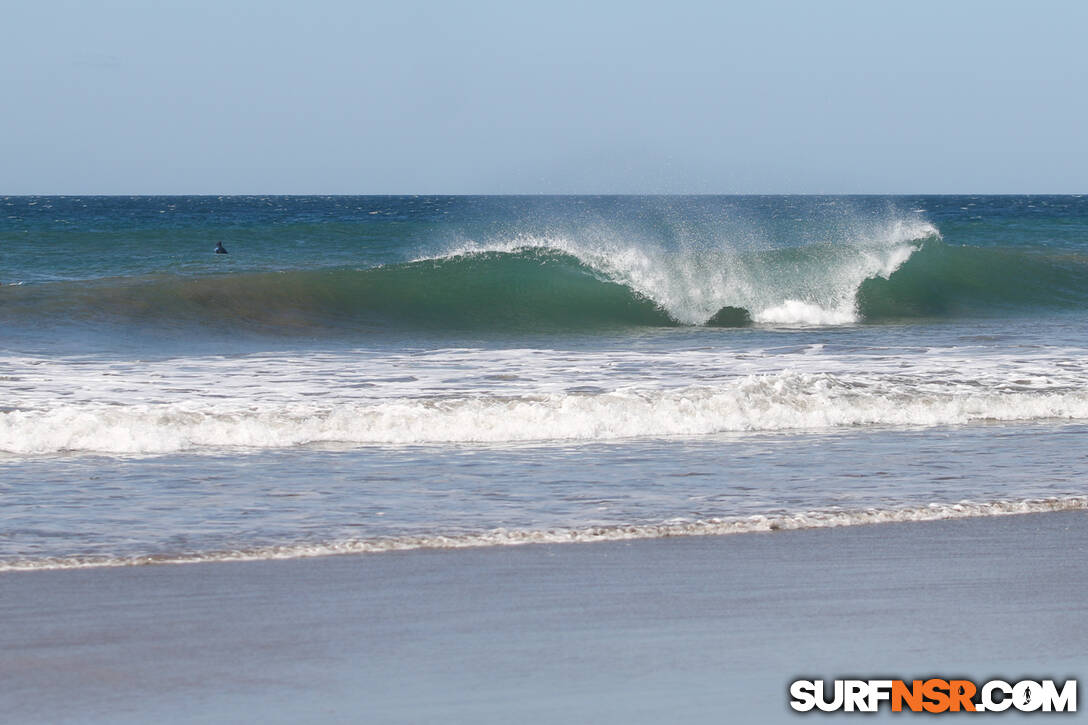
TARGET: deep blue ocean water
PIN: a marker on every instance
(364, 373)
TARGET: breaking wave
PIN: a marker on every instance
(902, 270)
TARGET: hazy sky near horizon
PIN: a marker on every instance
(339, 97)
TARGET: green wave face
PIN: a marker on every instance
(540, 289)
(527, 290)
(942, 280)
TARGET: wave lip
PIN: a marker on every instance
(794, 286)
(764, 402)
(828, 518)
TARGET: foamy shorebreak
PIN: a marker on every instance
(515, 537)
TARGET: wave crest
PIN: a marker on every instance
(807, 285)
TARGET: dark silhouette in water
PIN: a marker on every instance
(730, 317)
(220, 249)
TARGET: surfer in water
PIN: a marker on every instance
(220, 249)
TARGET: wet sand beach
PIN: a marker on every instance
(682, 630)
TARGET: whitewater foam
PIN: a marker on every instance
(763, 402)
(760, 523)
(803, 314)
(693, 281)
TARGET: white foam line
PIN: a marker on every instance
(505, 537)
(786, 401)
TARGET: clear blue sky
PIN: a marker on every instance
(332, 96)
